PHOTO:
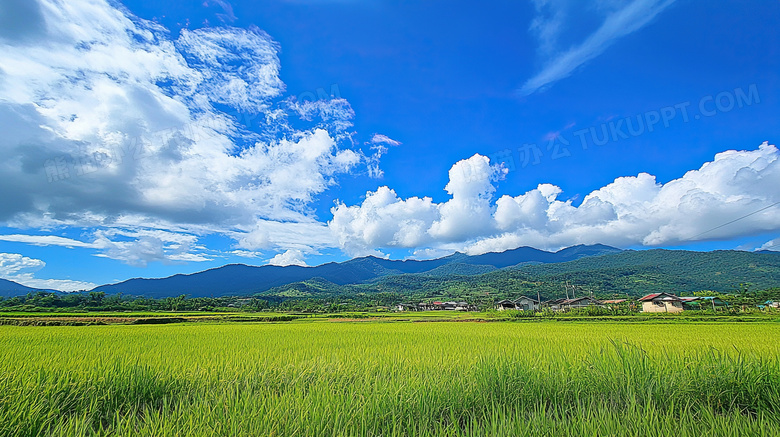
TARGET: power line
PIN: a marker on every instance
(735, 220)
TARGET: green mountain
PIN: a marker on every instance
(602, 270)
(674, 271)
(460, 269)
(239, 279)
(11, 288)
(632, 273)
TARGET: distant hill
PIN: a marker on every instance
(460, 269)
(525, 255)
(674, 271)
(239, 279)
(11, 289)
(632, 273)
(600, 269)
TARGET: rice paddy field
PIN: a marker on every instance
(375, 378)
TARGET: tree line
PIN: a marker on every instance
(481, 297)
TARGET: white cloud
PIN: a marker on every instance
(14, 264)
(547, 25)
(65, 285)
(235, 67)
(142, 246)
(46, 240)
(471, 188)
(136, 247)
(246, 253)
(430, 253)
(292, 257)
(110, 124)
(628, 17)
(634, 210)
(385, 220)
(379, 144)
(384, 139)
(227, 14)
(773, 245)
(310, 235)
(21, 269)
(336, 113)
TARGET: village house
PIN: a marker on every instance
(505, 304)
(617, 303)
(526, 303)
(564, 304)
(523, 303)
(661, 303)
(701, 303)
(554, 304)
(426, 306)
(456, 306)
(464, 306)
(711, 302)
(436, 306)
(580, 302)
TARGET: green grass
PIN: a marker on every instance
(369, 378)
(147, 318)
(70, 313)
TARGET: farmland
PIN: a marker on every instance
(327, 377)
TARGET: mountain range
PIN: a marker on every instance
(11, 288)
(525, 270)
(240, 279)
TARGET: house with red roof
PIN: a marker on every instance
(661, 303)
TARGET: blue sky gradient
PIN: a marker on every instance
(279, 123)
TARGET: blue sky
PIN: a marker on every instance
(144, 139)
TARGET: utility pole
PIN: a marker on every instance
(566, 288)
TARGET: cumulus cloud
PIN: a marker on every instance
(773, 245)
(14, 264)
(471, 188)
(385, 220)
(21, 21)
(110, 124)
(292, 257)
(634, 210)
(21, 269)
(621, 18)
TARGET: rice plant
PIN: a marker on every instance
(308, 378)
